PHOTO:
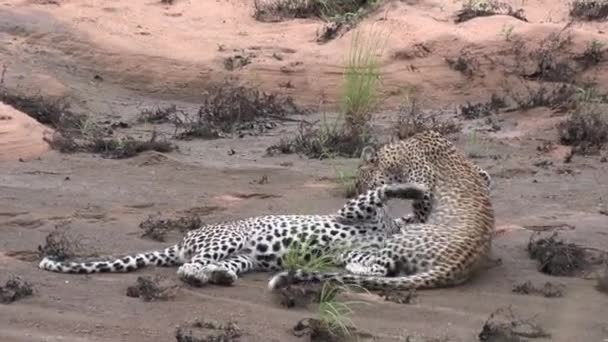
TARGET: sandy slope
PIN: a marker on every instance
(20, 135)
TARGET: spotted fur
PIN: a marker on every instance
(455, 237)
(420, 208)
(218, 253)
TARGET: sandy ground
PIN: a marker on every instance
(147, 54)
(22, 136)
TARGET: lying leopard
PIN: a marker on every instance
(454, 239)
(219, 253)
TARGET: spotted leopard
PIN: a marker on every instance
(420, 208)
(219, 253)
(456, 237)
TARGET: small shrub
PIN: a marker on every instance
(543, 95)
(328, 140)
(551, 66)
(479, 110)
(463, 63)
(157, 229)
(602, 280)
(411, 121)
(15, 289)
(55, 113)
(299, 296)
(150, 289)
(202, 330)
(238, 61)
(592, 55)
(507, 32)
(586, 131)
(333, 322)
(557, 257)
(230, 109)
(503, 325)
(589, 9)
(399, 297)
(126, 148)
(277, 10)
(158, 115)
(59, 245)
(76, 132)
(548, 290)
(484, 8)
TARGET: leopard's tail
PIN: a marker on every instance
(168, 257)
(432, 278)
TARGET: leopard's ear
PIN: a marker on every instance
(368, 154)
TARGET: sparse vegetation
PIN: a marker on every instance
(54, 112)
(602, 280)
(473, 148)
(464, 63)
(484, 8)
(551, 66)
(589, 9)
(399, 297)
(592, 55)
(233, 109)
(59, 245)
(299, 296)
(502, 325)
(543, 95)
(483, 109)
(557, 257)
(158, 115)
(361, 77)
(333, 322)
(327, 140)
(78, 133)
(14, 289)
(156, 228)
(150, 289)
(507, 32)
(411, 120)
(334, 314)
(586, 128)
(238, 61)
(348, 134)
(304, 256)
(548, 290)
(343, 13)
(346, 181)
(202, 330)
(120, 148)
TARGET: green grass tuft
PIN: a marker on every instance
(361, 78)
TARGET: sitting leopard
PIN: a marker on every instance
(218, 253)
(445, 250)
(421, 208)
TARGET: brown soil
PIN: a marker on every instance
(113, 59)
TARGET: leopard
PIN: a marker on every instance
(454, 241)
(420, 208)
(219, 253)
